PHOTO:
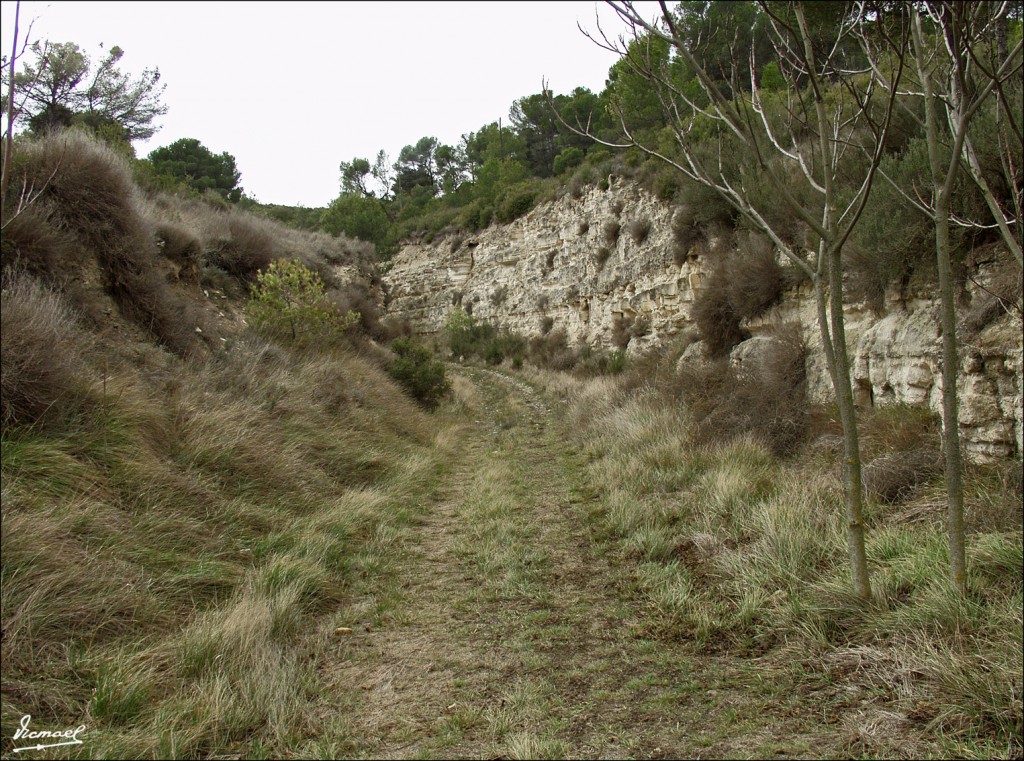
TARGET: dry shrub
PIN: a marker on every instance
(714, 315)
(92, 196)
(601, 256)
(32, 243)
(626, 327)
(546, 324)
(894, 477)
(767, 400)
(183, 248)
(611, 231)
(756, 278)
(583, 227)
(43, 376)
(549, 261)
(639, 229)
(552, 351)
(250, 249)
(742, 285)
(685, 232)
(622, 327)
(356, 297)
(1000, 295)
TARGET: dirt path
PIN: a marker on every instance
(516, 640)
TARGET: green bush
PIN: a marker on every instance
(516, 204)
(288, 302)
(567, 159)
(418, 372)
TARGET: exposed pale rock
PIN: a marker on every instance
(546, 265)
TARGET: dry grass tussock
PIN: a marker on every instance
(739, 550)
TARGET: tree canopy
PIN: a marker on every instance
(192, 163)
(59, 82)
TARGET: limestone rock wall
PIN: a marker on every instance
(561, 263)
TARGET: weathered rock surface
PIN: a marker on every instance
(562, 262)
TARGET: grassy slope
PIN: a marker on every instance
(173, 569)
(182, 539)
(186, 507)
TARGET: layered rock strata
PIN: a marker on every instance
(603, 265)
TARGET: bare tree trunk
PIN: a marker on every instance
(9, 137)
(942, 185)
(837, 362)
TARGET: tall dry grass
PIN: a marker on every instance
(739, 551)
(183, 530)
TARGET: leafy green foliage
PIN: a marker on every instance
(362, 217)
(288, 302)
(192, 163)
(419, 372)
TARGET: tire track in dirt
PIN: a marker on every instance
(544, 656)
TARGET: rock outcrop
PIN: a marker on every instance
(604, 266)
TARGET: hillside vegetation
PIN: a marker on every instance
(185, 502)
(246, 515)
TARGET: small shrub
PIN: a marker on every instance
(894, 477)
(583, 227)
(1002, 295)
(43, 377)
(419, 372)
(601, 257)
(34, 244)
(616, 207)
(685, 232)
(611, 232)
(592, 363)
(767, 401)
(355, 298)
(250, 250)
(552, 351)
(498, 296)
(183, 248)
(516, 204)
(639, 229)
(288, 302)
(641, 326)
(714, 315)
(542, 301)
(546, 324)
(756, 279)
(621, 331)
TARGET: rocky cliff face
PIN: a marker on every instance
(603, 264)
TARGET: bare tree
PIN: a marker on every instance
(955, 78)
(829, 115)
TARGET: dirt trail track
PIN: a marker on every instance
(518, 640)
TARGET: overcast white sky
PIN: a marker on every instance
(290, 89)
